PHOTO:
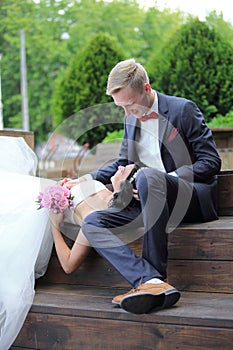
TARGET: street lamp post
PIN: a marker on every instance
(23, 71)
(1, 106)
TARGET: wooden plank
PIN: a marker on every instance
(194, 309)
(61, 332)
(223, 137)
(191, 275)
(201, 276)
(198, 255)
(95, 271)
(225, 193)
(73, 318)
(206, 241)
(211, 240)
(226, 155)
(20, 348)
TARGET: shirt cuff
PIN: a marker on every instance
(173, 173)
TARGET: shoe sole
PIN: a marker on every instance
(145, 302)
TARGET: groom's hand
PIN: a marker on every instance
(135, 195)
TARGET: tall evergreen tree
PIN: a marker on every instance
(79, 96)
(198, 64)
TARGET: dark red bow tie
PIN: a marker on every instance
(152, 115)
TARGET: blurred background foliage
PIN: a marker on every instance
(71, 47)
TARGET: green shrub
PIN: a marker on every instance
(197, 64)
(114, 136)
(81, 92)
(222, 121)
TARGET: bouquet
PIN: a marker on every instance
(55, 198)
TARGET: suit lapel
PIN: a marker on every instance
(163, 117)
(132, 138)
(131, 123)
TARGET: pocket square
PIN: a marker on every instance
(173, 134)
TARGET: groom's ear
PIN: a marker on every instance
(147, 87)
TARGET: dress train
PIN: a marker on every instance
(25, 235)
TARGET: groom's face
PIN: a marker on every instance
(133, 102)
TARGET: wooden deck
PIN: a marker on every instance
(72, 317)
(75, 311)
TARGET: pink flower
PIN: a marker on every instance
(55, 198)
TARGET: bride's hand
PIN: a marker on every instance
(56, 219)
(69, 183)
(64, 181)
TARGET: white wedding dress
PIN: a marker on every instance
(25, 235)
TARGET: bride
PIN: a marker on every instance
(25, 232)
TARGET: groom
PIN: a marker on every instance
(168, 137)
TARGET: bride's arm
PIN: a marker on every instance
(69, 183)
(70, 259)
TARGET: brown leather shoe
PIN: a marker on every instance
(117, 299)
(147, 297)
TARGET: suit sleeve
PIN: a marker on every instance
(206, 162)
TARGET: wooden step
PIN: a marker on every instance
(225, 193)
(200, 256)
(200, 259)
(73, 317)
(75, 311)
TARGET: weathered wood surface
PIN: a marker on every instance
(62, 333)
(75, 311)
(225, 193)
(201, 276)
(223, 137)
(200, 259)
(203, 241)
(192, 309)
(68, 317)
(186, 275)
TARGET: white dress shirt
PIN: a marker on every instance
(148, 146)
(148, 143)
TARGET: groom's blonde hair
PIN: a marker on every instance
(127, 73)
